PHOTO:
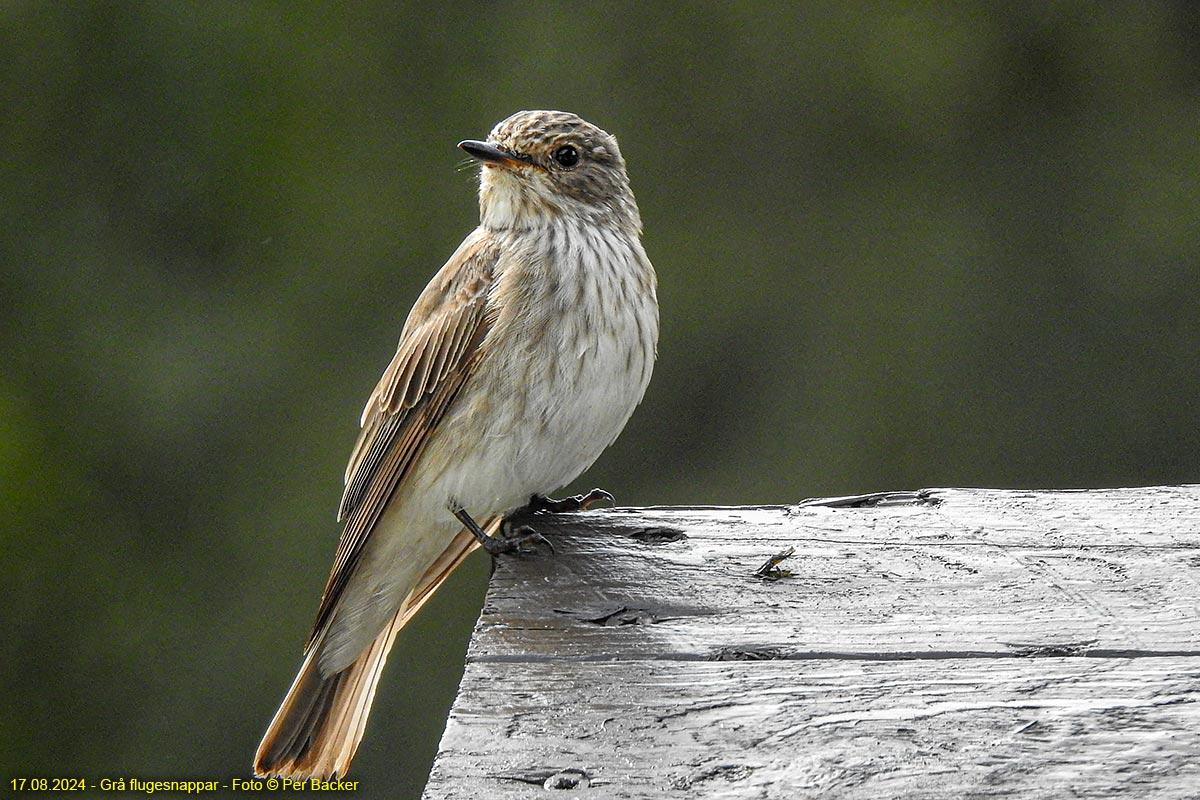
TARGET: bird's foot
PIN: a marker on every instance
(518, 541)
(508, 540)
(579, 502)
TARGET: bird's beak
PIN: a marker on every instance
(490, 154)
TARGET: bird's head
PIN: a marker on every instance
(539, 167)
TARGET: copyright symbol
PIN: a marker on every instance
(272, 784)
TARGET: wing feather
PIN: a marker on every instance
(436, 355)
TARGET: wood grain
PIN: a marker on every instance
(948, 643)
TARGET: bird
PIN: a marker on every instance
(518, 365)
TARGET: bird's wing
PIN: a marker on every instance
(438, 350)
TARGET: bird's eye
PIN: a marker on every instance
(566, 156)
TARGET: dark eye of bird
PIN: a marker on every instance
(566, 156)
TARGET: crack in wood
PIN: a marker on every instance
(658, 535)
(1061, 650)
(736, 654)
(923, 497)
(748, 654)
(623, 616)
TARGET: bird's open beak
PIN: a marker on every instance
(490, 154)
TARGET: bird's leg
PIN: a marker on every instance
(507, 542)
(580, 502)
(514, 539)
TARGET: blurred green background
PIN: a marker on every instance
(935, 244)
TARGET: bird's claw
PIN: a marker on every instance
(579, 502)
(516, 542)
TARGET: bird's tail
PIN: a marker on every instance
(317, 729)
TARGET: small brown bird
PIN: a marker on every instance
(518, 365)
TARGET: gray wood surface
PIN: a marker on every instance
(942, 644)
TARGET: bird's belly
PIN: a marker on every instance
(551, 410)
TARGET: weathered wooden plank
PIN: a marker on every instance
(966, 571)
(930, 728)
(917, 638)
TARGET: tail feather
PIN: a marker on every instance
(318, 727)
